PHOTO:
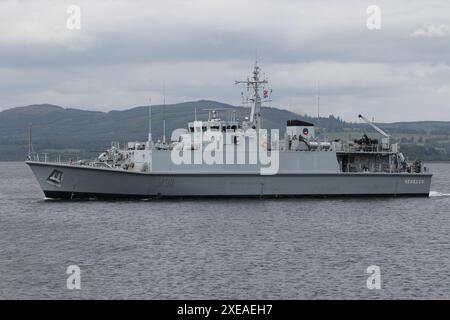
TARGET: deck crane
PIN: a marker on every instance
(384, 134)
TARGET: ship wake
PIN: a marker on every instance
(439, 194)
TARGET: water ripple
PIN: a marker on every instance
(223, 248)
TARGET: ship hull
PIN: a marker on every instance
(73, 182)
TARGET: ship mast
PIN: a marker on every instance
(254, 83)
(30, 141)
(164, 114)
(150, 121)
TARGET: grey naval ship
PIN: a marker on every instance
(221, 157)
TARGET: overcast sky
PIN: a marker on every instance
(126, 50)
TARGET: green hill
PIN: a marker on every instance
(79, 133)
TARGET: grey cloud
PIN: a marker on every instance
(127, 50)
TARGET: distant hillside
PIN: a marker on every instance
(74, 132)
(79, 133)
